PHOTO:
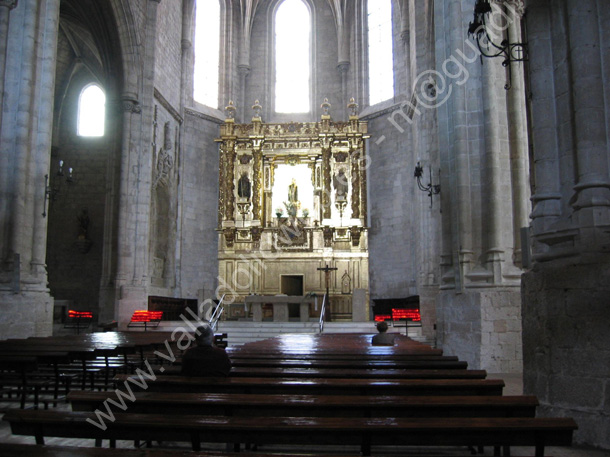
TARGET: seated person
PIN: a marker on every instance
(383, 338)
(205, 359)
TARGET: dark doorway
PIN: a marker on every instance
(292, 285)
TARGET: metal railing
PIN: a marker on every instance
(216, 314)
(322, 313)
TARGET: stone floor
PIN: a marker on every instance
(513, 387)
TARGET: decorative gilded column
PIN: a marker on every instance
(326, 178)
(230, 181)
(221, 184)
(356, 180)
(257, 178)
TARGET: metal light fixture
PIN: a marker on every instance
(432, 189)
(511, 52)
(50, 193)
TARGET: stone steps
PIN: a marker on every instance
(241, 332)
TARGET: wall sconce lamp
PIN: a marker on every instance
(479, 30)
(51, 193)
(432, 189)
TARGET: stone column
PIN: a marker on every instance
(546, 198)
(244, 71)
(518, 143)
(494, 219)
(343, 68)
(461, 214)
(17, 141)
(29, 37)
(45, 89)
(593, 185)
(5, 7)
(136, 176)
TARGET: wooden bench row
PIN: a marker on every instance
(353, 373)
(32, 450)
(361, 432)
(314, 386)
(250, 405)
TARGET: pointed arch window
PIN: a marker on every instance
(292, 57)
(91, 111)
(207, 52)
(380, 52)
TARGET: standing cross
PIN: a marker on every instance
(327, 271)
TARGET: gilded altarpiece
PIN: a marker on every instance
(292, 200)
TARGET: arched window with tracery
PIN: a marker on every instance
(292, 57)
(207, 52)
(91, 111)
(380, 51)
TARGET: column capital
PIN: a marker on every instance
(518, 6)
(343, 67)
(130, 105)
(10, 4)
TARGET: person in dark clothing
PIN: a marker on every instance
(383, 338)
(205, 359)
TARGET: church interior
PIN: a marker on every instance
(316, 164)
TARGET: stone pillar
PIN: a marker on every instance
(546, 198)
(244, 71)
(565, 293)
(5, 7)
(478, 307)
(343, 68)
(43, 139)
(28, 38)
(494, 219)
(518, 144)
(135, 188)
(592, 198)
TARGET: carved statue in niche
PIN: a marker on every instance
(293, 192)
(243, 187)
(340, 185)
(346, 284)
(165, 161)
(83, 224)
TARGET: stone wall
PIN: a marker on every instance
(199, 207)
(566, 345)
(169, 51)
(326, 78)
(483, 328)
(392, 209)
(74, 259)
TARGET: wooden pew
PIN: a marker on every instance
(336, 344)
(250, 405)
(237, 353)
(358, 364)
(34, 450)
(248, 372)
(313, 386)
(361, 432)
